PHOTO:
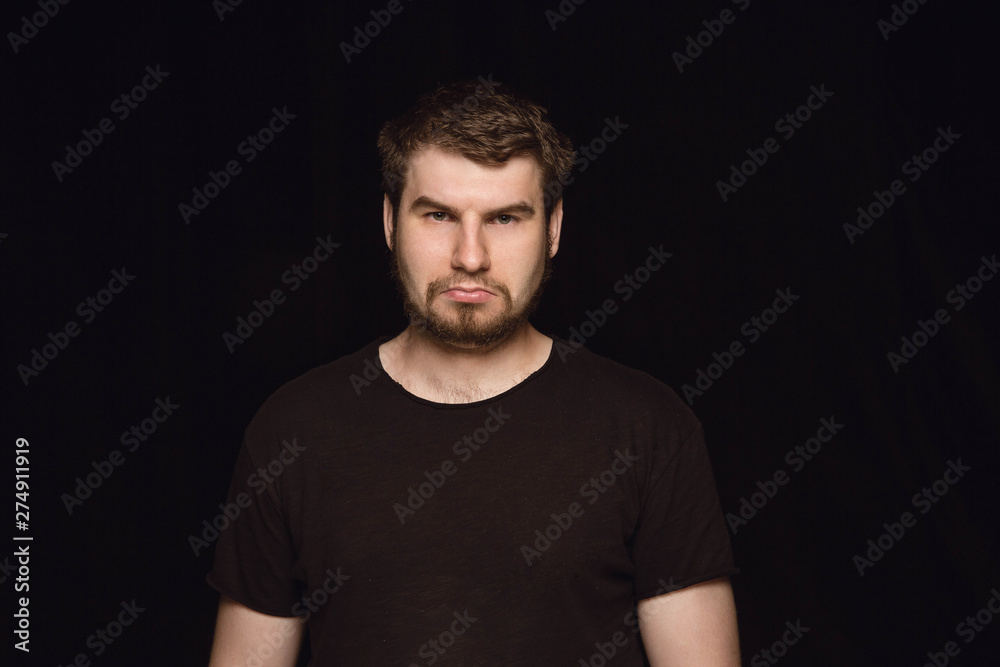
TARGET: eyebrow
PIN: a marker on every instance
(520, 207)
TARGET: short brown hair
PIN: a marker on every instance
(482, 120)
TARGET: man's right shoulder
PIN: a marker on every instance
(333, 383)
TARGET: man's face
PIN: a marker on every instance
(471, 249)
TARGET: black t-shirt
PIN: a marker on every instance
(517, 530)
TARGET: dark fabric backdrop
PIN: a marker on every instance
(888, 94)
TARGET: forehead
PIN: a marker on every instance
(450, 177)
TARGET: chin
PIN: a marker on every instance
(472, 332)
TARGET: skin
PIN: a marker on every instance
(467, 244)
(244, 637)
(691, 627)
(470, 232)
(482, 226)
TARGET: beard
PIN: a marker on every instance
(466, 327)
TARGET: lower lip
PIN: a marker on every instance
(478, 296)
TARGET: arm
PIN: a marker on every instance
(246, 637)
(692, 626)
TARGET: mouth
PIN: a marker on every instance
(468, 294)
(469, 288)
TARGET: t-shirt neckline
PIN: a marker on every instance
(459, 406)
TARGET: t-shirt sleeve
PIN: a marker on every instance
(682, 538)
(254, 556)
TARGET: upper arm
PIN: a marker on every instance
(246, 637)
(691, 626)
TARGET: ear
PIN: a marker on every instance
(555, 225)
(387, 221)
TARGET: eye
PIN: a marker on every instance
(505, 219)
(438, 216)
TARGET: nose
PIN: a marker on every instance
(471, 254)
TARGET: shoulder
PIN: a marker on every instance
(626, 388)
(318, 392)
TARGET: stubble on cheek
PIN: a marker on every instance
(458, 324)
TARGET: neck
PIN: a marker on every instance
(437, 371)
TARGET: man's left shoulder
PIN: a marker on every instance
(623, 384)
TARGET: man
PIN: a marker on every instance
(473, 492)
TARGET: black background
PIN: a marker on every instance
(656, 184)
